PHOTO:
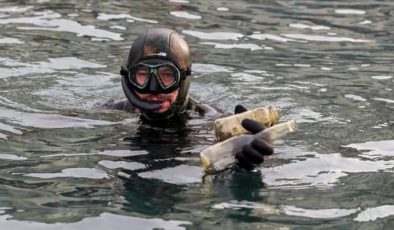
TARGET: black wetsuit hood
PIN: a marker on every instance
(156, 44)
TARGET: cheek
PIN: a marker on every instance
(174, 95)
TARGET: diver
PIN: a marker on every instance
(156, 77)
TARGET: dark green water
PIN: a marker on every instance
(67, 163)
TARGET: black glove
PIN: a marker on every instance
(253, 153)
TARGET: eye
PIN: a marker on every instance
(141, 75)
(167, 75)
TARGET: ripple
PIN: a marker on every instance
(302, 65)
(68, 155)
(303, 26)
(53, 64)
(104, 221)
(11, 157)
(384, 100)
(249, 46)
(222, 9)
(14, 105)
(349, 11)
(283, 64)
(262, 72)
(184, 14)
(49, 121)
(90, 173)
(323, 170)
(182, 174)
(107, 17)
(382, 77)
(355, 97)
(79, 91)
(264, 209)
(372, 214)
(121, 165)
(15, 9)
(365, 22)
(213, 35)
(260, 209)
(319, 38)
(245, 77)
(318, 213)
(10, 129)
(269, 37)
(380, 126)
(11, 41)
(306, 115)
(65, 63)
(112, 153)
(179, 1)
(118, 27)
(375, 149)
(123, 153)
(52, 21)
(209, 68)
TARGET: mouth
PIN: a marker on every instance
(164, 104)
(164, 100)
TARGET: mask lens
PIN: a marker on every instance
(141, 75)
(167, 75)
(155, 77)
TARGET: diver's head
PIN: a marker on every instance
(156, 74)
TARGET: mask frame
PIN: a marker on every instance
(154, 83)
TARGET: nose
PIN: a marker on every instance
(153, 84)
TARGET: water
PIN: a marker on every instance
(67, 163)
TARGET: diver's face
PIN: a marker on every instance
(164, 99)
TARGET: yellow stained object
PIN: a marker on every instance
(230, 126)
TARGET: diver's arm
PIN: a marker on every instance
(203, 109)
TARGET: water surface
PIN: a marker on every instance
(67, 163)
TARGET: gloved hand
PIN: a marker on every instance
(252, 154)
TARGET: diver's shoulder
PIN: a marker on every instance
(203, 108)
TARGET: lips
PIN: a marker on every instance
(165, 105)
(164, 102)
(156, 98)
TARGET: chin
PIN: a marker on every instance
(158, 115)
(161, 110)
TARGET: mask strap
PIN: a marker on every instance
(124, 71)
(185, 73)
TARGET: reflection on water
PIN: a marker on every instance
(68, 163)
(104, 221)
(51, 21)
(72, 172)
(264, 210)
(107, 17)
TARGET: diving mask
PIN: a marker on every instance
(153, 77)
